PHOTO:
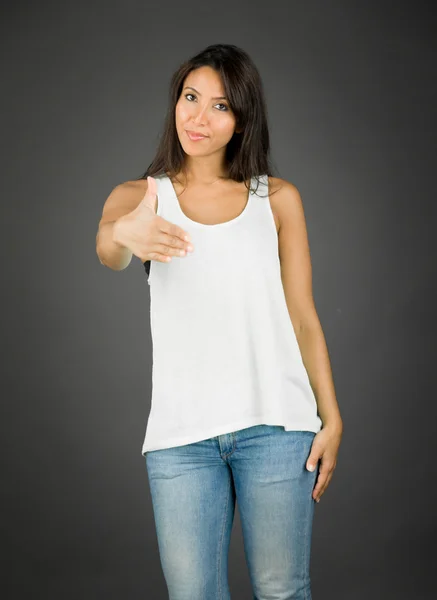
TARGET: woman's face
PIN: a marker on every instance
(202, 109)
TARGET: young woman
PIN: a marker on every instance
(243, 403)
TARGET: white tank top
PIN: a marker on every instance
(225, 354)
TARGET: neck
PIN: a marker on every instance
(203, 173)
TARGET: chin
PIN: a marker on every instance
(192, 152)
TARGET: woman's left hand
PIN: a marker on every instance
(324, 447)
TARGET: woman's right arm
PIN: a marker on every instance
(123, 199)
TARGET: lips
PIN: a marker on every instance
(195, 136)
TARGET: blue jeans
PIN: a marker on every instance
(193, 490)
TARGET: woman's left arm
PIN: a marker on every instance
(296, 275)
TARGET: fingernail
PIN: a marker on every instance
(311, 467)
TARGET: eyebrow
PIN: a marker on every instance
(194, 89)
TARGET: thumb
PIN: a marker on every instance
(149, 198)
(312, 461)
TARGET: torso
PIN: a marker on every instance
(225, 203)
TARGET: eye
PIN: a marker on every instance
(219, 104)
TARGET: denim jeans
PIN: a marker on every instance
(194, 488)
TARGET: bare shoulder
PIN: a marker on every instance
(283, 195)
(133, 186)
(138, 184)
(123, 199)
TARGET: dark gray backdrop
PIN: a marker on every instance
(351, 91)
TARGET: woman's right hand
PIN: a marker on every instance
(147, 235)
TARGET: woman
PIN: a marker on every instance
(243, 403)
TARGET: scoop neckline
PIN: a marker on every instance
(212, 225)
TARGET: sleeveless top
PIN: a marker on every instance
(225, 354)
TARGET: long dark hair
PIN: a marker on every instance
(247, 152)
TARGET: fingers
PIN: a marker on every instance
(323, 479)
(174, 236)
(169, 245)
(170, 251)
(174, 230)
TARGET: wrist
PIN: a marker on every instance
(335, 425)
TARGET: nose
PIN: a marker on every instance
(199, 117)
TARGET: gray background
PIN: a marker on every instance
(351, 89)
